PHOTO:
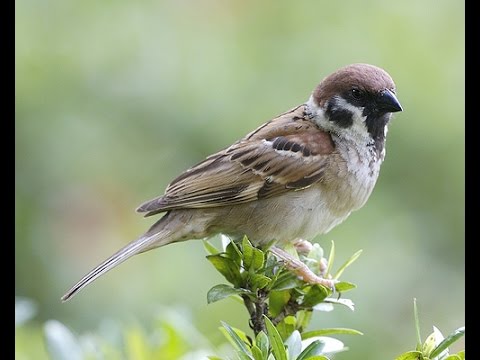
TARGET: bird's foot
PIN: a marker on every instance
(304, 247)
(302, 270)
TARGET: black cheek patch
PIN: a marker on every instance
(342, 117)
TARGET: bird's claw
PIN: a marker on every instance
(303, 271)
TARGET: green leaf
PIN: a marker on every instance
(257, 353)
(286, 327)
(258, 259)
(271, 266)
(284, 281)
(222, 291)
(239, 344)
(449, 340)
(259, 281)
(331, 345)
(278, 349)
(213, 357)
(452, 357)
(461, 354)
(209, 248)
(331, 257)
(315, 295)
(247, 249)
(60, 342)
(226, 267)
(345, 302)
(347, 264)
(277, 301)
(313, 265)
(315, 348)
(344, 286)
(417, 325)
(330, 331)
(411, 355)
(290, 249)
(263, 344)
(429, 344)
(318, 357)
(316, 252)
(252, 257)
(294, 345)
(303, 319)
(323, 306)
(234, 253)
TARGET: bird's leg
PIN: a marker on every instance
(302, 270)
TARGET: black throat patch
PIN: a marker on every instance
(376, 124)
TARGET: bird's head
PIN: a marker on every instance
(356, 102)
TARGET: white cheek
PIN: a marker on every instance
(358, 125)
(343, 104)
(315, 110)
(357, 132)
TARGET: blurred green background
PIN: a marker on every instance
(114, 99)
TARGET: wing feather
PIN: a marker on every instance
(286, 154)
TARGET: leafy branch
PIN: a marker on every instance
(280, 307)
(279, 304)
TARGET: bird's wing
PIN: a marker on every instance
(287, 153)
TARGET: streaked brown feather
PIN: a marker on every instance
(287, 153)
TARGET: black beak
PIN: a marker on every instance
(388, 102)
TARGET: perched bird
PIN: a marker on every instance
(295, 177)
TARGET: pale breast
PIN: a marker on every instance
(297, 214)
(351, 176)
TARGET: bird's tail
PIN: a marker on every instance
(146, 242)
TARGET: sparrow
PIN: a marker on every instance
(294, 177)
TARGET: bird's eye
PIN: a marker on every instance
(356, 94)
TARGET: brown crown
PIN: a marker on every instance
(362, 76)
